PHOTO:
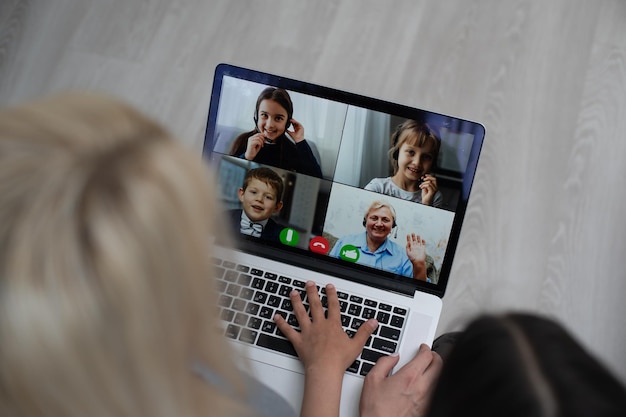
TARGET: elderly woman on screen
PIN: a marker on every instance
(375, 249)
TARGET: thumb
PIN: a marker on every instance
(383, 366)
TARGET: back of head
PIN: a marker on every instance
(105, 290)
(524, 365)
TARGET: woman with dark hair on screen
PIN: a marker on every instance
(268, 143)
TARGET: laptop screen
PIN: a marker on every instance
(337, 182)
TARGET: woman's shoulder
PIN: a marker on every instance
(395, 248)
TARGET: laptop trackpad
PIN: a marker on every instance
(290, 385)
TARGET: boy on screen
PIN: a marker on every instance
(260, 197)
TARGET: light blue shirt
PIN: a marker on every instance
(389, 256)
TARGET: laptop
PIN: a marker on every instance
(326, 151)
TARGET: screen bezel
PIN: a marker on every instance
(323, 263)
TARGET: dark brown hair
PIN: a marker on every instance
(279, 95)
(521, 365)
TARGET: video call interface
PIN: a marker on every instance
(344, 195)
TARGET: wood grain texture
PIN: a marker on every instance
(546, 221)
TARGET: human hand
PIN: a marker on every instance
(298, 131)
(405, 393)
(255, 143)
(416, 251)
(325, 350)
(429, 189)
(321, 342)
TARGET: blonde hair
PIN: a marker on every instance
(106, 296)
(378, 204)
(413, 133)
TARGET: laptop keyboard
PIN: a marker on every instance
(250, 297)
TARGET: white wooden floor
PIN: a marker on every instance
(546, 224)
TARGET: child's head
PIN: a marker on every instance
(273, 112)
(414, 150)
(530, 366)
(99, 209)
(261, 193)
